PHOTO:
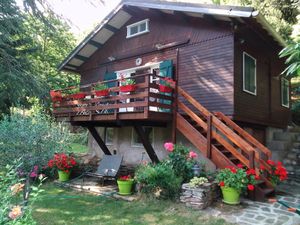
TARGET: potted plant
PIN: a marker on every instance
(127, 85)
(277, 174)
(233, 181)
(167, 85)
(125, 185)
(101, 90)
(64, 164)
(75, 94)
(56, 96)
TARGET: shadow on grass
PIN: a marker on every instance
(59, 206)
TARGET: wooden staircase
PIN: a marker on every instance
(221, 140)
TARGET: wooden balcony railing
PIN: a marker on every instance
(146, 102)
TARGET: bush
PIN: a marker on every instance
(13, 208)
(158, 180)
(34, 139)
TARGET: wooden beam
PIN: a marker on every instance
(99, 140)
(146, 143)
(208, 136)
(95, 43)
(111, 28)
(175, 99)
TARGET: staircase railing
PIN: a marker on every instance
(233, 138)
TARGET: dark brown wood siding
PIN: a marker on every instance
(264, 107)
(205, 63)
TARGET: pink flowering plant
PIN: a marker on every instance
(181, 159)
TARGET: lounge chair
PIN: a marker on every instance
(108, 168)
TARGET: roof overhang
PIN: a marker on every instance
(120, 16)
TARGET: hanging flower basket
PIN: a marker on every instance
(128, 88)
(77, 96)
(55, 96)
(102, 93)
(166, 89)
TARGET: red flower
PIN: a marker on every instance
(279, 164)
(233, 170)
(222, 184)
(262, 167)
(270, 162)
(241, 166)
(251, 172)
(257, 177)
(192, 155)
(250, 187)
(124, 178)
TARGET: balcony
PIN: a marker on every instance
(145, 103)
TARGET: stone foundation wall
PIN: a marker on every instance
(199, 197)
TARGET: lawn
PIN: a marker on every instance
(79, 148)
(62, 206)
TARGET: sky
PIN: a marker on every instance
(83, 14)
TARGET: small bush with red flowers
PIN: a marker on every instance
(125, 178)
(62, 162)
(277, 174)
(239, 178)
(181, 160)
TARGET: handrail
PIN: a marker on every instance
(233, 137)
(244, 134)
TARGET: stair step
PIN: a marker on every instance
(268, 191)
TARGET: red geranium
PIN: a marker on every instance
(250, 187)
(276, 174)
(125, 178)
(63, 162)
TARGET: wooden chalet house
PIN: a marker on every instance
(224, 61)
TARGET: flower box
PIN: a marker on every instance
(77, 96)
(102, 93)
(166, 89)
(128, 88)
(55, 96)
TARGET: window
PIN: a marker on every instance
(138, 28)
(285, 92)
(249, 74)
(136, 141)
(108, 135)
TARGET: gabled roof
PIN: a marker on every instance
(116, 19)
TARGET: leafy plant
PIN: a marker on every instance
(34, 139)
(63, 162)
(126, 81)
(158, 180)
(278, 172)
(198, 181)
(100, 87)
(238, 178)
(181, 160)
(168, 82)
(292, 52)
(13, 208)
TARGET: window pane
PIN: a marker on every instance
(285, 92)
(133, 30)
(249, 74)
(136, 141)
(109, 135)
(142, 27)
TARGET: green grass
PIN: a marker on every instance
(62, 206)
(79, 148)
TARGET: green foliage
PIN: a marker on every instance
(11, 190)
(198, 181)
(235, 178)
(292, 55)
(180, 162)
(100, 87)
(34, 139)
(158, 180)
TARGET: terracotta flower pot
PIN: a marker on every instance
(55, 96)
(77, 96)
(102, 92)
(128, 88)
(166, 89)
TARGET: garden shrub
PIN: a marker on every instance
(13, 207)
(158, 180)
(34, 139)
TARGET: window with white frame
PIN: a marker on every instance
(249, 74)
(137, 28)
(285, 92)
(135, 139)
(108, 135)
